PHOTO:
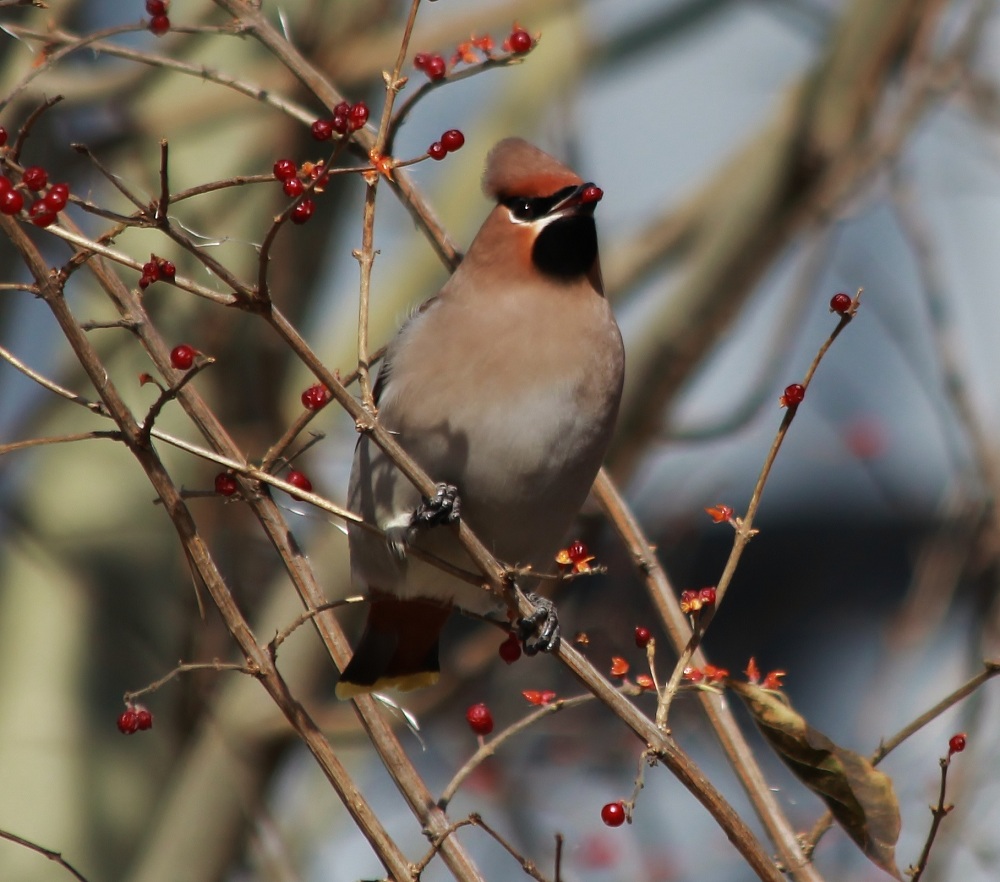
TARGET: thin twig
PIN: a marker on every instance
(286, 632)
(938, 812)
(57, 439)
(488, 748)
(990, 670)
(185, 668)
(45, 852)
(744, 526)
(718, 711)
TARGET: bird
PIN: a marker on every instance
(504, 388)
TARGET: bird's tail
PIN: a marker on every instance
(399, 647)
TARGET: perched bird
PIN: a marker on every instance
(504, 387)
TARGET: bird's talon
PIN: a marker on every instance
(539, 632)
(443, 508)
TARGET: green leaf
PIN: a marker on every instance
(860, 797)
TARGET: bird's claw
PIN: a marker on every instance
(444, 507)
(542, 625)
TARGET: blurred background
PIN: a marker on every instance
(757, 157)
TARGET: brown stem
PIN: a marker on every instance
(200, 557)
(45, 852)
(738, 752)
(744, 527)
(938, 812)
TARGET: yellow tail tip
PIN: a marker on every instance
(404, 683)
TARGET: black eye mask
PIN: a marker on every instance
(525, 209)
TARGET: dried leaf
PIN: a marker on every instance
(860, 797)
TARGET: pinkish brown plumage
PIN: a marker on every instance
(506, 386)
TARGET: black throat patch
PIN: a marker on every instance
(567, 247)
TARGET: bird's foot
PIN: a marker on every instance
(539, 632)
(444, 507)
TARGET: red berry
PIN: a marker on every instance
(182, 356)
(956, 743)
(340, 123)
(591, 194)
(57, 197)
(3, 136)
(357, 116)
(293, 188)
(156, 7)
(41, 215)
(145, 281)
(34, 177)
(510, 649)
(707, 596)
(613, 814)
(577, 551)
(480, 719)
(128, 721)
(5, 184)
(642, 637)
(435, 67)
(316, 397)
(159, 25)
(322, 129)
(303, 211)
(167, 270)
(420, 60)
(520, 41)
(225, 484)
(840, 303)
(285, 169)
(452, 140)
(437, 151)
(343, 108)
(143, 719)
(298, 479)
(11, 201)
(151, 270)
(794, 394)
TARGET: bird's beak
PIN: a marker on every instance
(583, 198)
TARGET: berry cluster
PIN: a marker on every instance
(159, 23)
(135, 718)
(156, 268)
(432, 65)
(518, 42)
(695, 601)
(451, 141)
(34, 179)
(346, 118)
(480, 719)
(291, 182)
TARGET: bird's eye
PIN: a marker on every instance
(522, 209)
